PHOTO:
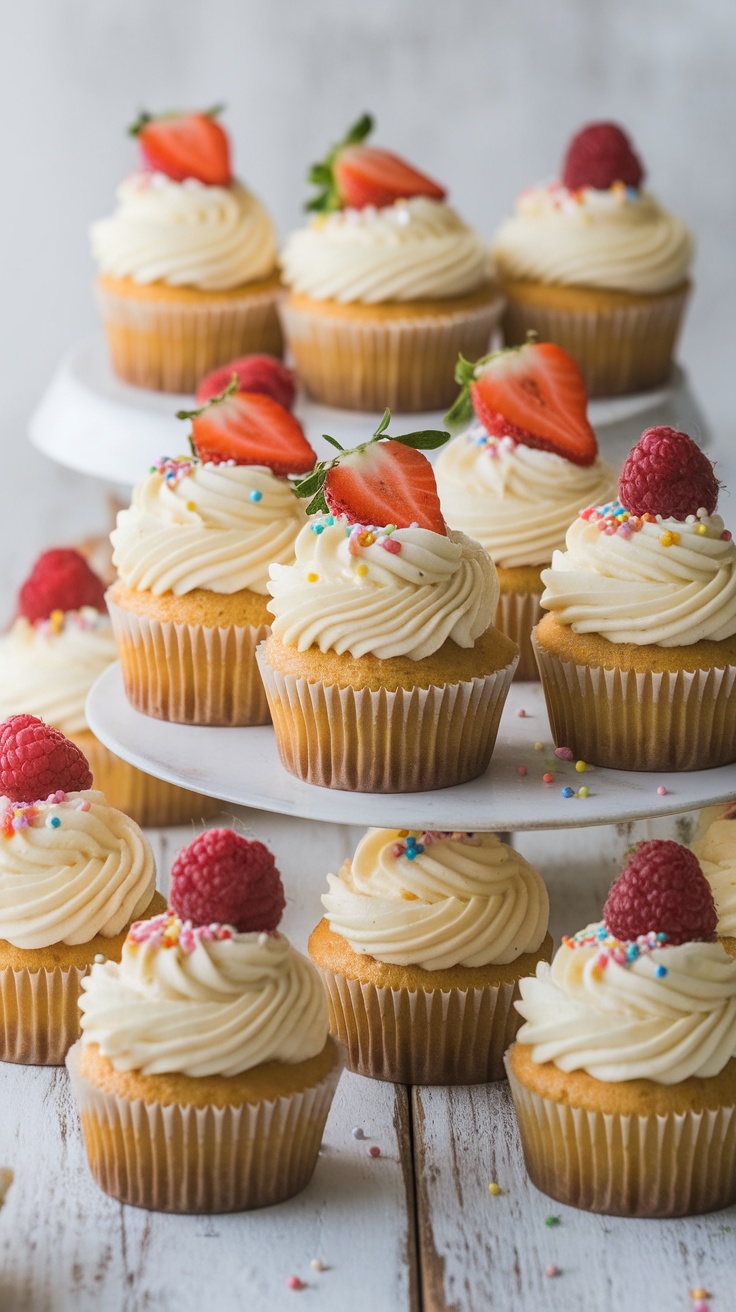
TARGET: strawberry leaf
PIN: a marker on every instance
(333, 442)
(386, 420)
(428, 439)
(318, 505)
(322, 174)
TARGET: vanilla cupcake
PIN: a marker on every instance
(205, 1071)
(425, 938)
(715, 849)
(187, 263)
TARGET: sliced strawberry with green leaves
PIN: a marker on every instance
(384, 481)
(534, 393)
(355, 175)
(251, 429)
(185, 146)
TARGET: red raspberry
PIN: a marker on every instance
(667, 474)
(221, 878)
(256, 373)
(36, 760)
(599, 155)
(61, 579)
(662, 890)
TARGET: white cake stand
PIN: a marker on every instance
(89, 421)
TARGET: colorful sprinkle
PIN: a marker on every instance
(374, 1150)
(294, 1282)
(357, 1132)
(564, 753)
(521, 770)
(361, 571)
(548, 778)
(99, 958)
(539, 747)
(552, 1220)
(53, 822)
(494, 1189)
(662, 790)
(609, 948)
(312, 578)
(168, 931)
(174, 468)
(580, 766)
(660, 971)
(521, 713)
(552, 1270)
(583, 792)
(255, 496)
(317, 1264)
(567, 791)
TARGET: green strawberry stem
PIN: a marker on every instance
(461, 411)
(322, 174)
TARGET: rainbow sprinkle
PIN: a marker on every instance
(26, 815)
(411, 845)
(614, 520)
(614, 949)
(174, 468)
(168, 931)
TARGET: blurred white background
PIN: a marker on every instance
(483, 94)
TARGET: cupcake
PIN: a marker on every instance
(187, 263)
(518, 475)
(715, 849)
(74, 874)
(192, 555)
(595, 264)
(624, 1073)
(383, 671)
(205, 1070)
(424, 940)
(59, 645)
(637, 655)
(386, 284)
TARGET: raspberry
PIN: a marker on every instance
(61, 579)
(36, 760)
(667, 474)
(662, 890)
(221, 878)
(256, 373)
(599, 155)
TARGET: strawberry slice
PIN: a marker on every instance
(185, 146)
(255, 373)
(536, 394)
(355, 175)
(385, 483)
(251, 429)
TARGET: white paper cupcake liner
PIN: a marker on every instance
(406, 741)
(630, 721)
(516, 616)
(624, 1165)
(39, 1014)
(188, 673)
(201, 1159)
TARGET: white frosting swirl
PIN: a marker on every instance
(92, 874)
(636, 589)
(716, 852)
(204, 530)
(405, 604)
(624, 1023)
(48, 671)
(220, 1009)
(415, 249)
(457, 903)
(185, 234)
(616, 239)
(515, 500)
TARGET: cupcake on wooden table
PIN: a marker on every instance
(187, 263)
(383, 671)
(624, 1073)
(206, 1070)
(638, 652)
(193, 554)
(520, 473)
(74, 874)
(715, 849)
(58, 646)
(387, 284)
(424, 940)
(594, 263)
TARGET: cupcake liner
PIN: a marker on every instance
(39, 1014)
(405, 364)
(516, 616)
(676, 720)
(411, 740)
(455, 1036)
(680, 1164)
(169, 346)
(148, 801)
(627, 348)
(188, 673)
(201, 1159)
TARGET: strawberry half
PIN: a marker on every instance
(355, 175)
(385, 483)
(534, 393)
(251, 429)
(185, 146)
(255, 373)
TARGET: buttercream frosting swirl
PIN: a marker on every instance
(415, 249)
(716, 852)
(619, 239)
(47, 669)
(221, 1007)
(186, 234)
(208, 526)
(669, 583)
(458, 901)
(627, 1022)
(73, 868)
(515, 500)
(402, 599)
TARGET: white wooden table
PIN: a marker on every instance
(413, 1229)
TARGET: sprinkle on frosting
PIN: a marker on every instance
(614, 518)
(411, 845)
(25, 815)
(174, 468)
(611, 948)
(168, 931)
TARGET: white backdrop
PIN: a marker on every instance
(481, 93)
